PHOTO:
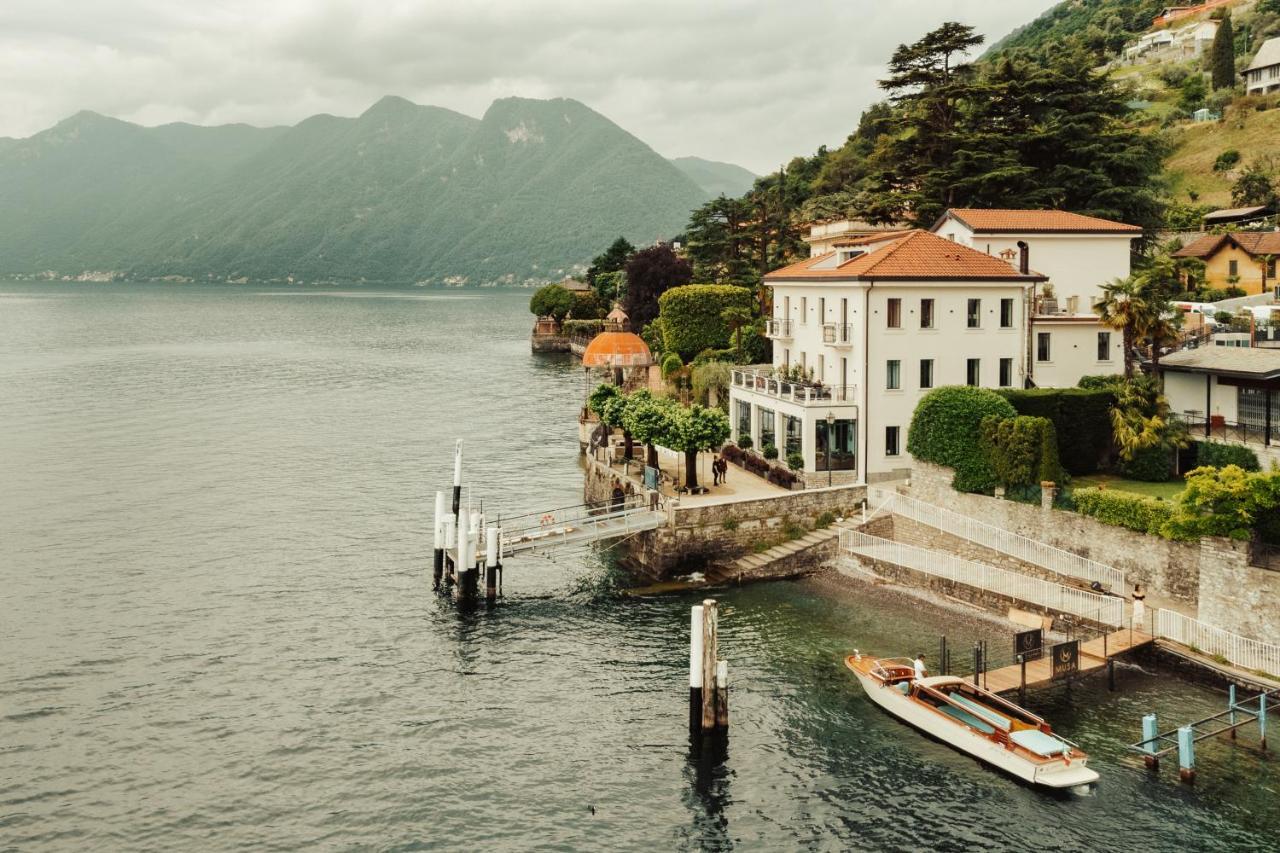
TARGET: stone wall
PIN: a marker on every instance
(1165, 567)
(1236, 596)
(548, 342)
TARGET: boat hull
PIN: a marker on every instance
(1054, 774)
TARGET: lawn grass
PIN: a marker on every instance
(1168, 490)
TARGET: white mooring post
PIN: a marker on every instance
(1149, 733)
(437, 571)
(492, 537)
(457, 477)
(695, 669)
(1187, 754)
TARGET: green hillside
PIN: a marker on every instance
(716, 178)
(402, 192)
(1103, 26)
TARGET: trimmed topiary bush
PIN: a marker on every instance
(744, 441)
(671, 364)
(769, 451)
(1123, 509)
(1023, 450)
(795, 461)
(946, 430)
(692, 318)
(1081, 418)
(1218, 455)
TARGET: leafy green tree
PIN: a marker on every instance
(646, 418)
(652, 272)
(1223, 55)
(1192, 94)
(1124, 307)
(1255, 186)
(721, 243)
(692, 430)
(710, 384)
(610, 286)
(692, 318)
(736, 318)
(613, 413)
(612, 259)
(1225, 501)
(552, 300)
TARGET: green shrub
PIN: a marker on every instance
(1226, 160)
(671, 364)
(1097, 381)
(1081, 419)
(795, 460)
(769, 451)
(744, 441)
(1123, 509)
(945, 430)
(582, 327)
(1023, 450)
(1215, 455)
(793, 529)
(1224, 502)
(691, 316)
(824, 520)
(552, 301)
(1150, 464)
(730, 524)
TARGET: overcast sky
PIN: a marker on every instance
(750, 82)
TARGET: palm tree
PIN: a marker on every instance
(1124, 307)
(735, 317)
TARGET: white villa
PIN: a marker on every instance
(1263, 74)
(866, 329)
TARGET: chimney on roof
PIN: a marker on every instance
(1024, 258)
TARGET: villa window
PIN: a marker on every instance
(744, 418)
(840, 451)
(1006, 373)
(804, 309)
(926, 373)
(926, 313)
(1042, 346)
(794, 435)
(822, 309)
(891, 441)
(975, 313)
(1104, 346)
(768, 427)
(893, 374)
(1006, 313)
(973, 371)
(1271, 268)
(894, 311)
(1233, 268)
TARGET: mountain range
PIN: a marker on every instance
(403, 192)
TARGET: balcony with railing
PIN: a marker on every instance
(1217, 427)
(778, 329)
(764, 380)
(837, 334)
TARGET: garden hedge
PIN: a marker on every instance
(1150, 464)
(691, 319)
(1221, 455)
(1123, 509)
(946, 430)
(1081, 418)
(1023, 450)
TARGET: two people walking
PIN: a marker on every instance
(719, 470)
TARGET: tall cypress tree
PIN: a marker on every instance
(1223, 55)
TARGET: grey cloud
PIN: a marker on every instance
(751, 82)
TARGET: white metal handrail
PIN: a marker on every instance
(996, 538)
(1240, 651)
(1106, 609)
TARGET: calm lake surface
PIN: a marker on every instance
(217, 628)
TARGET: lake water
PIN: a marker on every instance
(218, 630)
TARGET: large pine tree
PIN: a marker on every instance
(1224, 55)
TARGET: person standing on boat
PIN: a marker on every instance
(1139, 605)
(921, 672)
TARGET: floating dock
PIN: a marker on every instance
(1094, 655)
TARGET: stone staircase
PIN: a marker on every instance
(796, 557)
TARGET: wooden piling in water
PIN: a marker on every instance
(710, 625)
(492, 538)
(722, 695)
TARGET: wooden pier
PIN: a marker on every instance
(1094, 655)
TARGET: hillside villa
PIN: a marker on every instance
(867, 328)
(1186, 42)
(1225, 392)
(1244, 259)
(1263, 74)
(827, 235)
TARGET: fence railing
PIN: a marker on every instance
(998, 539)
(1240, 651)
(1106, 609)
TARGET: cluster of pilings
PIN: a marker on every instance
(708, 675)
(1237, 716)
(459, 537)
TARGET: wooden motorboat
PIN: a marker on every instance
(973, 720)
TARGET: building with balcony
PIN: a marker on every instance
(823, 236)
(860, 336)
(1227, 394)
(1077, 254)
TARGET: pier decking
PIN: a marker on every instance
(1093, 656)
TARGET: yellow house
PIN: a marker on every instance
(1244, 259)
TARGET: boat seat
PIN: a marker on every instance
(904, 687)
(1038, 742)
(993, 717)
(966, 718)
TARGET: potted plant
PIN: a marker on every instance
(770, 452)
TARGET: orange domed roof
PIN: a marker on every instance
(617, 349)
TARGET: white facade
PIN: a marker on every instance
(1065, 348)
(1263, 73)
(842, 333)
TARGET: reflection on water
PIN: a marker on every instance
(218, 628)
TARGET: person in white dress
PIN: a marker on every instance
(1139, 605)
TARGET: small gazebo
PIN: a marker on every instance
(617, 352)
(616, 320)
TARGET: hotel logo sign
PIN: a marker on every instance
(1066, 658)
(1028, 645)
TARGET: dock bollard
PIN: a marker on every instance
(1231, 706)
(457, 477)
(710, 625)
(722, 695)
(1149, 733)
(437, 571)
(695, 669)
(1187, 754)
(1262, 720)
(450, 550)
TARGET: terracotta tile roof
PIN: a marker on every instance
(1252, 242)
(917, 255)
(870, 238)
(995, 221)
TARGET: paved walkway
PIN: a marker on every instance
(740, 486)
